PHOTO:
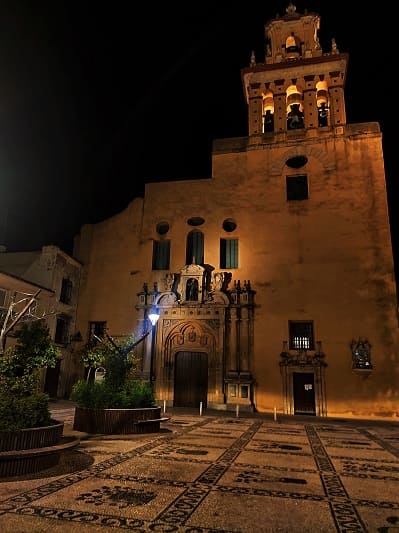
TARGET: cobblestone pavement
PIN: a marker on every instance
(215, 473)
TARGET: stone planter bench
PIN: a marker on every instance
(118, 421)
(23, 439)
(33, 449)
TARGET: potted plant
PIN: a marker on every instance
(29, 437)
(118, 402)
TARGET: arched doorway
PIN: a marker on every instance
(191, 379)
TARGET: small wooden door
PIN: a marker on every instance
(304, 394)
(191, 379)
(51, 380)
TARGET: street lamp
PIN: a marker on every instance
(153, 317)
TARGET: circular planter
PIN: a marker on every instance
(118, 421)
(33, 449)
(24, 439)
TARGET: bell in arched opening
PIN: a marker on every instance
(268, 112)
(292, 46)
(322, 103)
(295, 118)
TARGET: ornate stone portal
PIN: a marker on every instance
(303, 375)
(203, 346)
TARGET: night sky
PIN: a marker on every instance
(98, 98)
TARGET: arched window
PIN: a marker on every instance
(195, 248)
(161, 255)
(161, 248)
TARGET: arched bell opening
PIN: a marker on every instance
(322, 104)
(268, 112)
(292, 46)
(295, 117)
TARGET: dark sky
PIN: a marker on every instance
(98, 98)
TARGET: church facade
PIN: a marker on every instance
(273, 279)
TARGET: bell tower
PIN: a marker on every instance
(297, 87)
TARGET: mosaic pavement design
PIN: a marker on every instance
(216, 475)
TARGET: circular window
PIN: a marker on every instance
(229, 225)
(297, 162)
(195, 221)
(162, 228)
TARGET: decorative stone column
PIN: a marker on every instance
(280, 108)
(310, 103)
(337, 102)
(255, 109)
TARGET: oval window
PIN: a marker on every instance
(229, 225)
(297, 162)
(162, 228)
(195, 221)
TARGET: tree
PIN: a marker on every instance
(26, 308)
(120, 388)
(22, 404)
(20, 365)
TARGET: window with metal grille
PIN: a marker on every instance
(228, 253)
(96, 329)
(66, 291)
(62, 330)
(161, 255)
(301, 335)
(195, 248)
(297, 188)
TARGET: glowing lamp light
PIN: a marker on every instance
(153, 316)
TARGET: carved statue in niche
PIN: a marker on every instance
(192, 290)
(192, 336)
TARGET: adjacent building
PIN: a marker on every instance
(54, 277)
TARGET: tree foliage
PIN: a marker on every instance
(22, 404)
(116, 356)
(119, 388)
(20, 365)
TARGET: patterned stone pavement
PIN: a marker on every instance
(208, 474)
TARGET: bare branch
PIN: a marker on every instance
(30, 311)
